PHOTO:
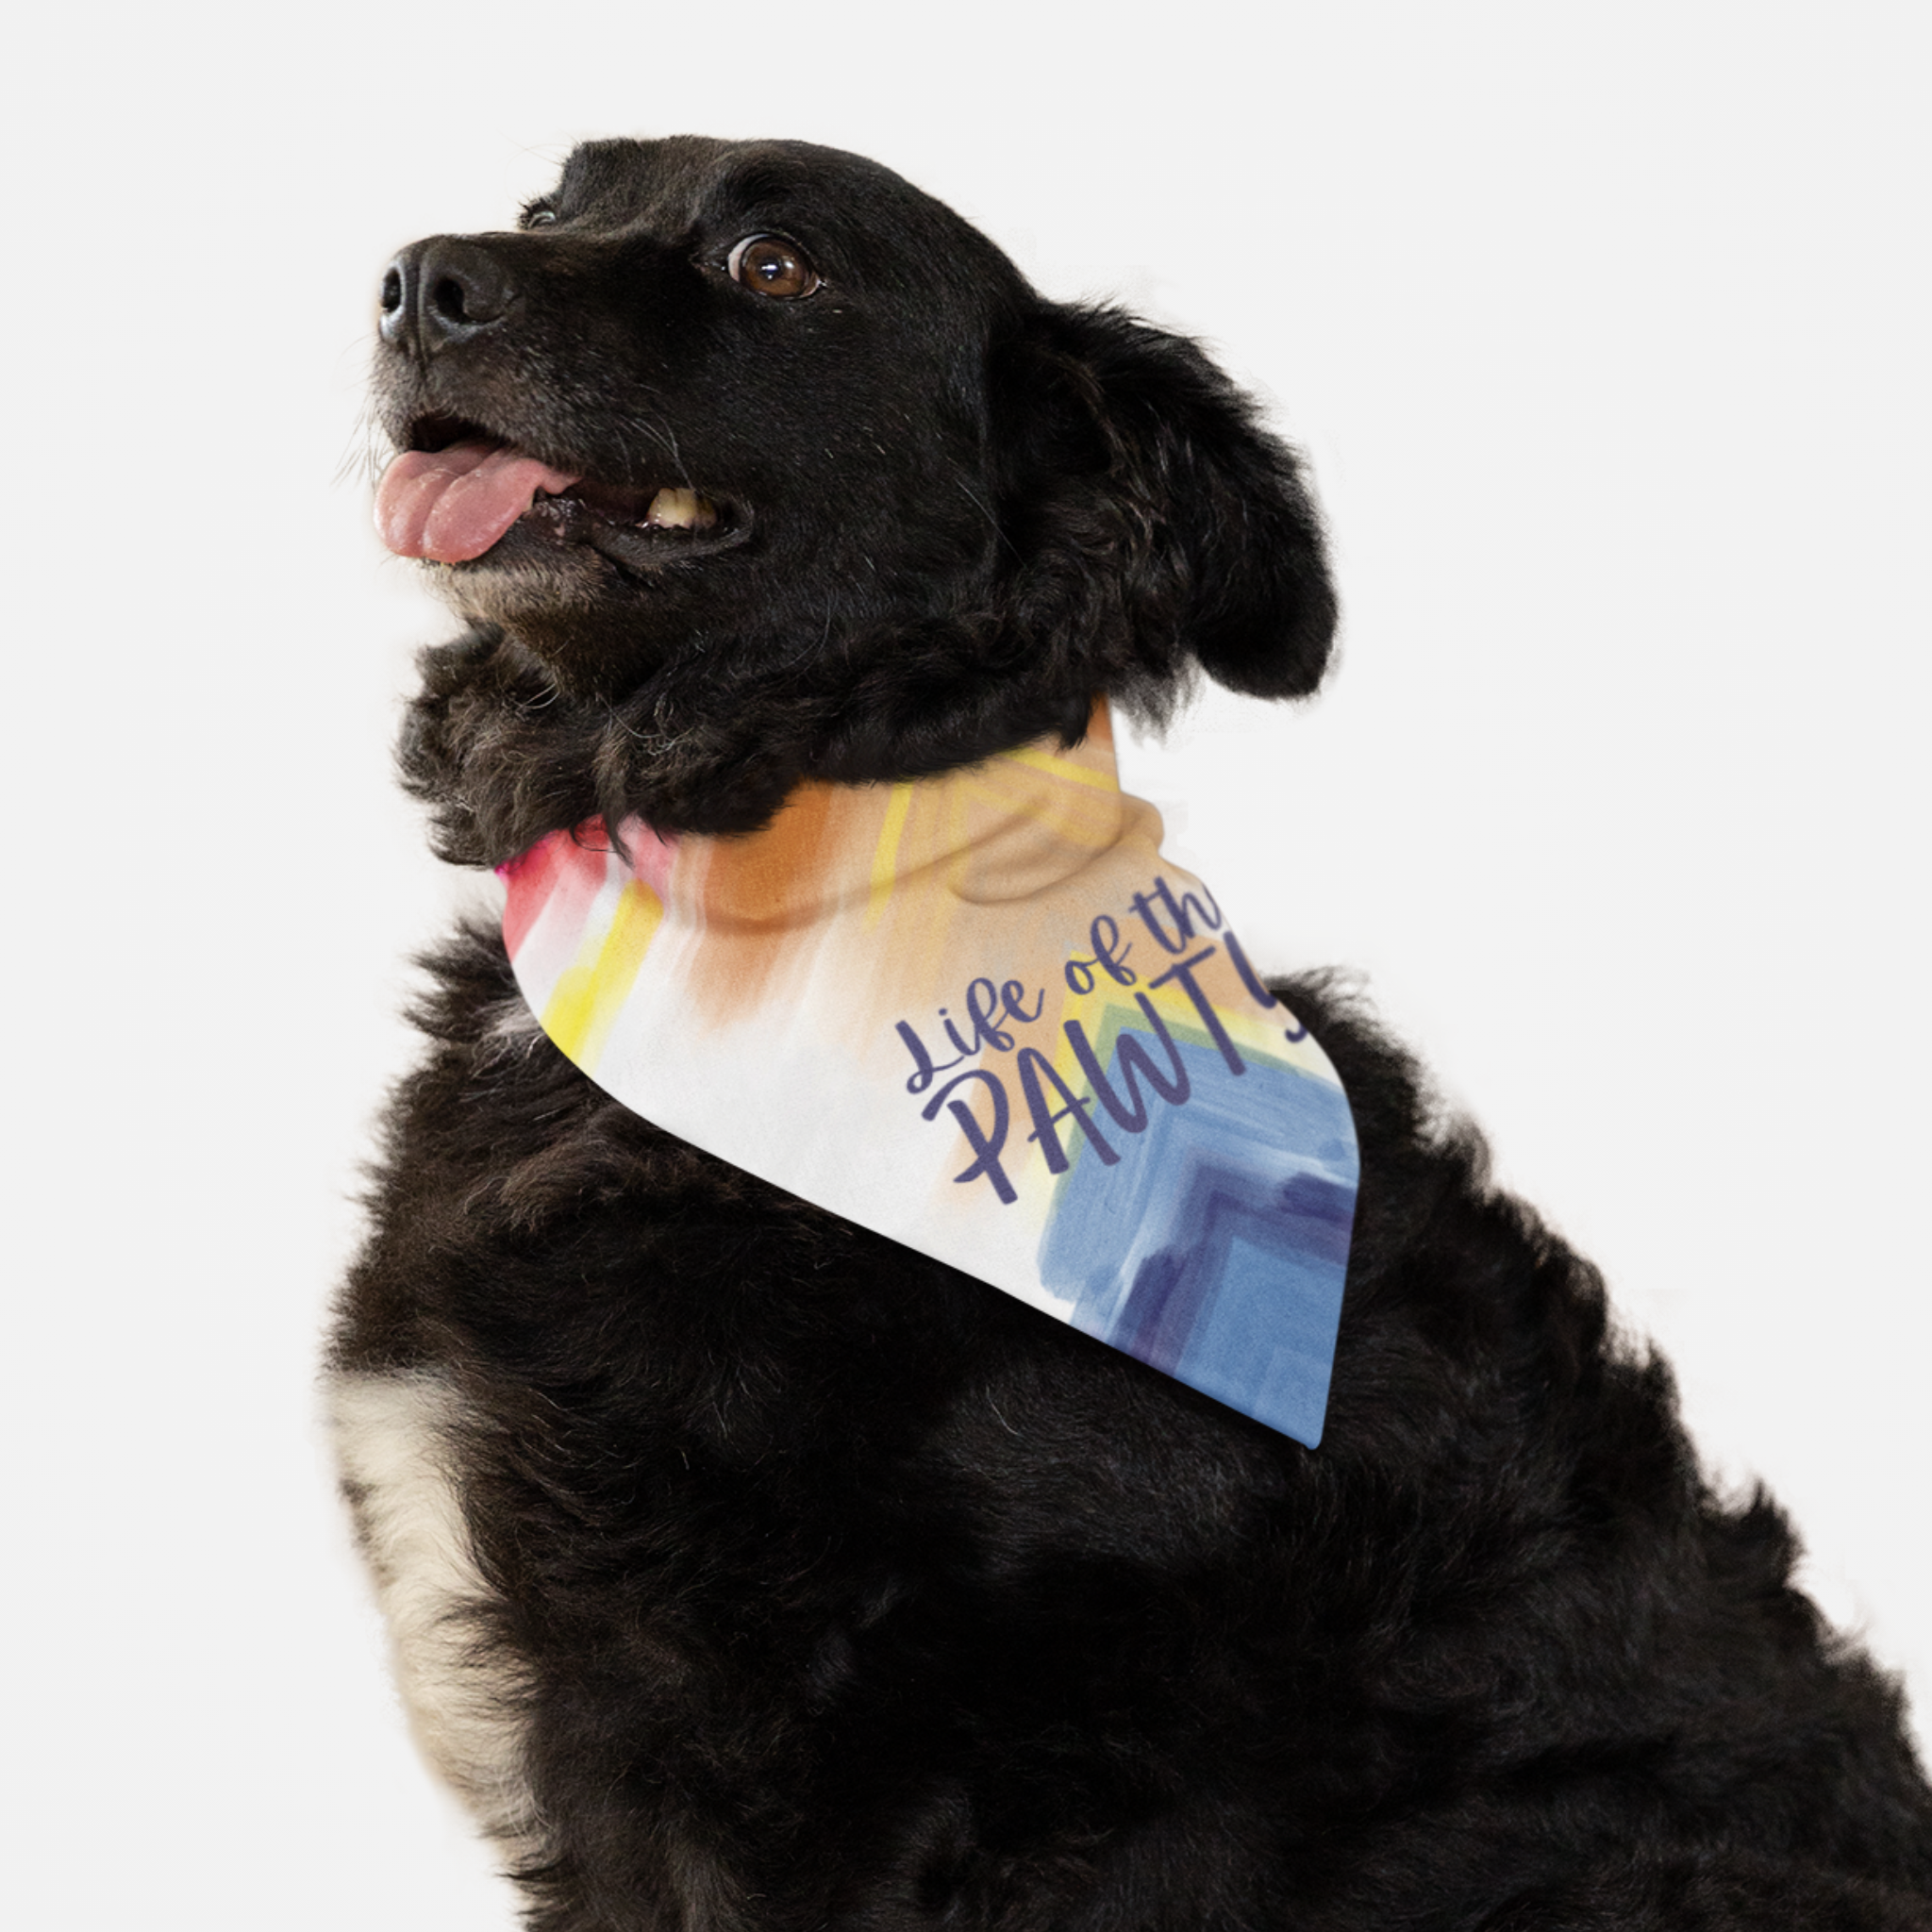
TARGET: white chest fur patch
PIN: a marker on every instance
(397, 1442)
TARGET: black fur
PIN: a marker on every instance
(838, 1589)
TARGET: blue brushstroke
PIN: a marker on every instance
(1215, 1248)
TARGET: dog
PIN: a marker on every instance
(748, 1569)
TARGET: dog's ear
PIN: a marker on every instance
(1139, 459)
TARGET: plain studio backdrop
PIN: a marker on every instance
(1606, 332)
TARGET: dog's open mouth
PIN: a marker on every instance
(458, 491)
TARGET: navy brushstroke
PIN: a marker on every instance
(1215, 1248)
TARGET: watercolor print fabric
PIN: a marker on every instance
(980, 1015)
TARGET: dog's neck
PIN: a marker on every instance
(981, 1014)
(1004, 830)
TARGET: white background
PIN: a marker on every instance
(1607, 332)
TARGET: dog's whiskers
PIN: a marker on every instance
(365, 451)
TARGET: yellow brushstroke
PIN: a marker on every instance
(1078, 820)
(589, 992)
(885, 857)
(1057, 767)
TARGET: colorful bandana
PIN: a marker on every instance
(982, 1015)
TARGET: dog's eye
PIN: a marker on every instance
(539, 214)
(773, 266)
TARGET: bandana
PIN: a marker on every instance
(982, 1015)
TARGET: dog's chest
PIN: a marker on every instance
(399, 1445)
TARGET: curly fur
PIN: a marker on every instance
(823, 1585)
(1141, 519)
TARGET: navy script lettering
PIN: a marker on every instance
(1035, 1067)
(1117, 1102)
(1182, 912)
(1135, 1064)
(987, 1143)
(1104, 935)
(1257, 989)
(1183, 970)
(985, 1005)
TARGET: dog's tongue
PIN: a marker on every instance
(454, 504)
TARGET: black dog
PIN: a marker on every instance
(749, 1571)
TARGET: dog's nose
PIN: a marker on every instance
(442, 291)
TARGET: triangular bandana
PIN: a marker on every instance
(982, 1015)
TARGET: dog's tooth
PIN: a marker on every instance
(680, 509)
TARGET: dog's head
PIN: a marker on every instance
(748, 463)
